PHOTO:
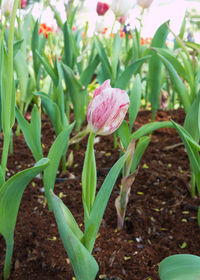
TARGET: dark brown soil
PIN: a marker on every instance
(161, 217)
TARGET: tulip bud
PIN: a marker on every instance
(107, 109)
(6, 7)
(102, 8)
(145, 3)
(23, 4)
(121, 7)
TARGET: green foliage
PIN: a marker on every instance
(180, 267)
(10, 197)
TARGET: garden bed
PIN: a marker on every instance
(161, 217)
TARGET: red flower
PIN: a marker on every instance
(23, 3)
(102, 8)
(45, 29)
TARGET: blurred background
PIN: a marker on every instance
(159, 12)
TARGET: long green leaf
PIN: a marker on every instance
(115, 54)
(10, 197)
(170, 56)
(56, 151)
(89, 71)
(177, 82)
(48, 67)
(78, 95)
(155, 67)
(103, 57)
(31, 131)
(192, 119)
(139, 151)
(135, 98)
(180, 267)
(96, 215)
(192, 153)
(124, 134)
(124, 78)
(89, 176)
(150, 127)
(52, 110)
(21, 68)
(83, 263)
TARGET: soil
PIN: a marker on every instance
(161, 217)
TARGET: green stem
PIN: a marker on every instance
(6, 143)
(111, 37)
(89, 175)
(8, 258)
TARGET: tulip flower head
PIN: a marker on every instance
(102, 8)
(6, 7)
(121, 7)
(45, 30)
(145, 3)
(23, 4)
(107, 109)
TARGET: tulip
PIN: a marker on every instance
(23, 4)
(6, 7)
(45, 29)
(145, 3)
(107, 109)
(102, 8)
(121, 7)
(100, 25)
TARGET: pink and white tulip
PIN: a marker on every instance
(107, 109)
(145, 4)
(102, 8)
(23, 3)
(121, 7)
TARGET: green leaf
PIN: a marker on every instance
(155, 67)
(7, 98)
(35, 45)
(21, 68)
(89, 176)
(17, 46)
(135, 98)
(48, 67)
(124, 78)
(149, 128)
(124, 134)
(180, 267)
(192, 119)
(191, 151)
(96, 215)
(52, 110)
(103, 57)
(139, 151)
(31, 131)
(178, 84)
(89, 71)
(56, 151)
(170, 56)
(83, 263)
(68, 45)
(78, 95)
(10, 196)
(115, 54)
(193, 46)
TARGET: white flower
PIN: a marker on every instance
(121, 7)
(145, 3)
